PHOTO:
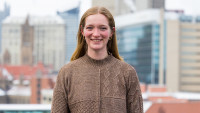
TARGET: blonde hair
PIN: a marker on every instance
(81, 48)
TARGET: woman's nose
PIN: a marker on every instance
(96, 33)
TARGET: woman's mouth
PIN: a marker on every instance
(96, 40)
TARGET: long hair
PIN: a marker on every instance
(81, 48)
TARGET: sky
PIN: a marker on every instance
(38, 7)
(49, 7)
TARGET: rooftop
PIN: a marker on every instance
(20, 91)
(140, 17)
(26, 71)
(186, 107)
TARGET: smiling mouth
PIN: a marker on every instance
(96, 40)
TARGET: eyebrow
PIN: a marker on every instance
(99, 25)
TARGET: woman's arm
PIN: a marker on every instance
(134, 96)
(60, 101)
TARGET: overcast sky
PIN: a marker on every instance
(49, 7)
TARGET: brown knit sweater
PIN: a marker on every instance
(97, 86)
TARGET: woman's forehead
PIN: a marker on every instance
(96, 19)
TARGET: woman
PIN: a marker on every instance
(97, 80)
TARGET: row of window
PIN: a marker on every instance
(190, 53)
(136, 45)
(190, 60)
(190, 44)
(190, 68)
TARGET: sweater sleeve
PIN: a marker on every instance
(134, 96)
(60, 102)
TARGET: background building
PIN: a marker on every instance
(116, 7)
(121, 7)
(27, 43)
(2, 97)
(39, 85)
(46, 96)
(164, 47)
(139, 40)
(71, 19)
(23, 84)
(19, 95)
(183, 54)
(149, 4)
(11, 40)
(32, 40)
(49, 41)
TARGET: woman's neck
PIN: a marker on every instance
(97, 55)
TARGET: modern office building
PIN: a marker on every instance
(139, 40)
(71, 19)
(3, 14)
(164, 48)
(183, 54)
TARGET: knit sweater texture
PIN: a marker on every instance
(97, 86)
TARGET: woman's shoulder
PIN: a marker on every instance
(124, 65)
(72, 64)
(76, 62)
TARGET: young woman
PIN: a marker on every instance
(97, 80)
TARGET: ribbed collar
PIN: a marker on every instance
(99, 63)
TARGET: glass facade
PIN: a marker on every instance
(71, 18)
(185, 18)
(139, 46)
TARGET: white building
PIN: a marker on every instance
(48, 40)
(46, 96)
(11, 40)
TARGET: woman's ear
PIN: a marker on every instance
(112, 31)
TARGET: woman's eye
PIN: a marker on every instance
(89, 28)
(103, 28)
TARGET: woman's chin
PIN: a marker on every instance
(96, 48)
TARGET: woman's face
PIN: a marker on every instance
(97, 32)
